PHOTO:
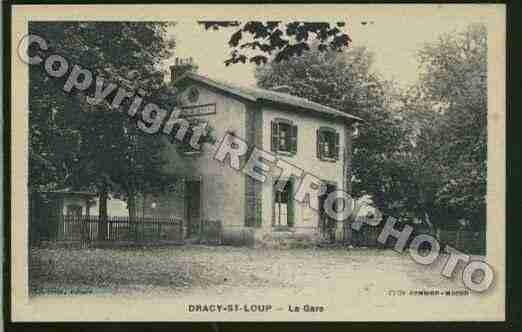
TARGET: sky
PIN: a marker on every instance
(394, 41)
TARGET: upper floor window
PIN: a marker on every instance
(187, 130)
(327, 144)
(284, 137)
(184, 146)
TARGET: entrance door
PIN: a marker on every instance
(326, 224)
(193, 200)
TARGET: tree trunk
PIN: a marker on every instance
(102, 222)
(131, 204)
(133, 214)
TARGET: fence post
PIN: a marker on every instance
(82, 230)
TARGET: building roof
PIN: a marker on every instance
(258, 94)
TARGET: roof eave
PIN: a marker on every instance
(346, 118)
(213, 84)
(216, 85)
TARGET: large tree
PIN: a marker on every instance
(450, 107)
(75, 143)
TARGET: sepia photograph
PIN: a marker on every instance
(258, 162)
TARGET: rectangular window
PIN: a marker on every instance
(328, 144)
(284, 137)
(184, 146)
(283, 206)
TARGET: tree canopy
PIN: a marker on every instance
(450, 105)
(256, 41)
(77, 143)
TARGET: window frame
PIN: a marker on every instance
(184, 147)
(334, 145)
(291, 138)
(289, 189)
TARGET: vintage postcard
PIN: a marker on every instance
(258, 163)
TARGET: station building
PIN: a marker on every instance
(311, 136)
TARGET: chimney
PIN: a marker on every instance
(282, 89)
(182, 66)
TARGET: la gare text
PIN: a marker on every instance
(306, 308)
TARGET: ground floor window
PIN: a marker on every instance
(283, 205)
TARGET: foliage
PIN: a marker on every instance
(284, 40)
(450, 105)
(79, 145)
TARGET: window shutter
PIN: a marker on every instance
(337, 146)
(275, 137)
(293, 140)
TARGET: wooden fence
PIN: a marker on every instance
(92, 228)
(465, 240)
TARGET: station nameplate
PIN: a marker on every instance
(198, 110)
